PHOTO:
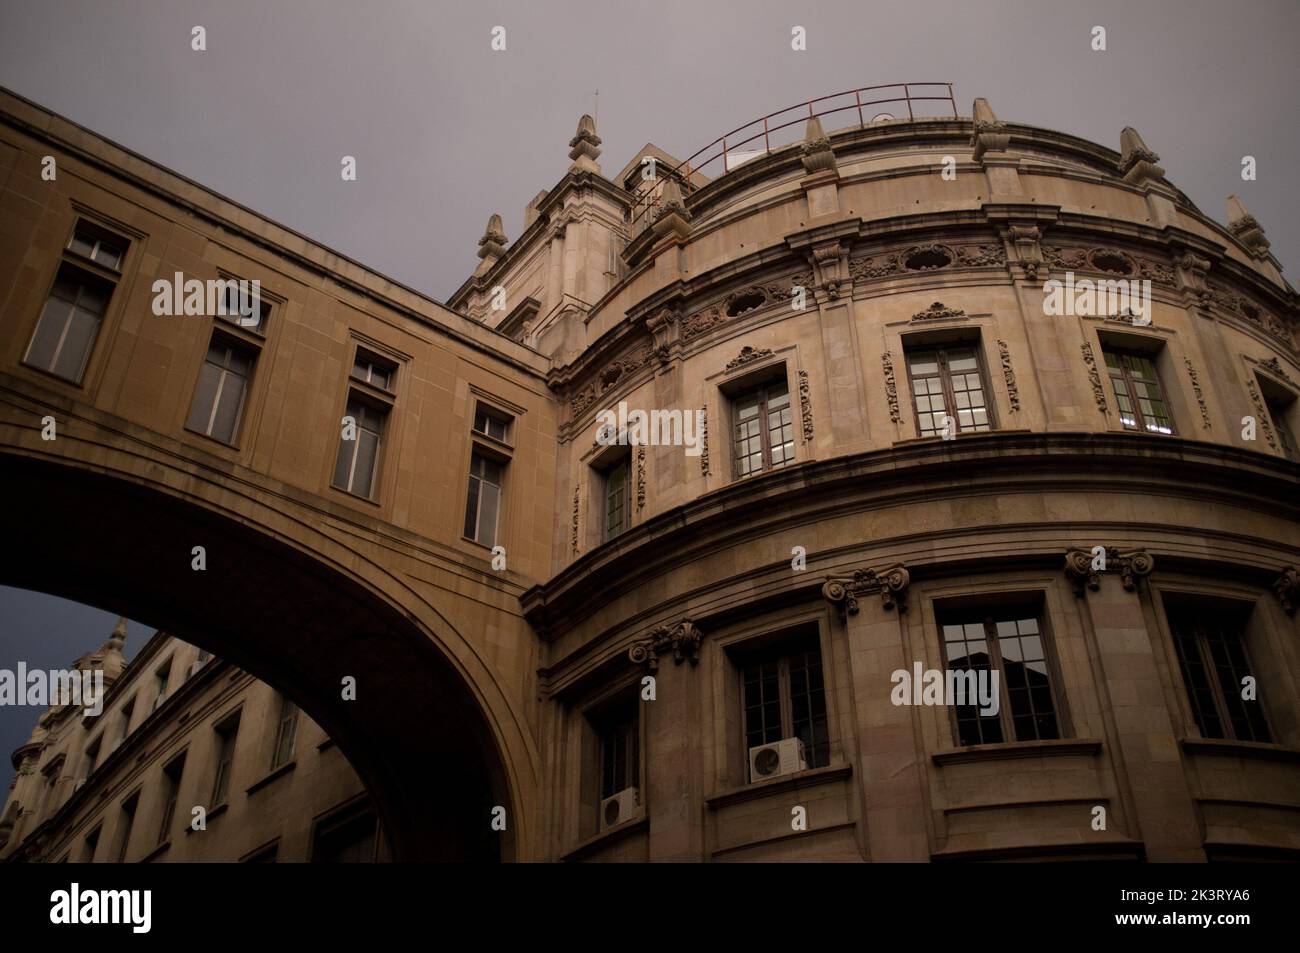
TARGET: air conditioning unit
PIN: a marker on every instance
(619, 807)
(775, 759)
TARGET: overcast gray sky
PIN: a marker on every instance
(447, 131)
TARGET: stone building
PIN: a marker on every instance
(921, 396)
(180, 730)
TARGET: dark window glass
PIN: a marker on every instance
(226, 736)
(358, 459)
(286, 734)
(946, 382)
(221, 392)
(69, 324)
(1285, 438)
(373, 371)
(763, 429)
(171, 791)
(484, 501)
(784, 696)
(1213, 661)
(619, 750)
(1137, 392)
(489, 425)
(618, 510)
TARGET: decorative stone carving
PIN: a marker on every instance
(1130, 564)
(828, 259)
(584, 147)
(975, 256)
(704, 320)
(683, 639)
(805, 406)
(704, 441)
(989, 134)
(938, 310)
(493, 243)
(1287, 589)
(1261, 413)
(816, 151)
(1009, 375)
(671, 216)
(1137, 163)
(665, 330)
(1027, 241)
(607, 377)
(891, 389)
(748, 355)
(1094, 378)
(1246, 229)
(575, 520)
(891, 584)
(1274, 367)
(640, 477)
(876, 266)
(1196, 389)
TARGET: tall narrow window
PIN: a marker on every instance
(91, 759)
(358, 457)
(227, 732)
(222, 389)
(620, 755)
(947, 383)
(618, 509)
(161, 676)
(373, 371)
(1009, 641)
(762, 429)
(286, 733)
(91, 843)
(1213, 661)
(490, 425)
(124, 728)
(125, 824)
(784, 696)
(171, 793)
(1277, 412)
(1137, 391)
(69, 323)
(484, 502)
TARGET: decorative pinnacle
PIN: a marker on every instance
(584, 147)
(493, 242)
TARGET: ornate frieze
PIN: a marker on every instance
(1083, 571)
(1196, 389)
(748, 355)
(682, 639)
(934, 256)
(805, 406)
(575, 520)
(938, 310)
(1261, 412)
(607, 377)
(1274, 367)
(1287, 589)
(704, 441)
(891, 584)
(1009, 375)
(891, 389)
(1094, 377)
(1107, 260)
(640, 477)
(743, 302)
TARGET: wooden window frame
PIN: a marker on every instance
(975, 344)
(1174, 614)
(1129, 381)
(765, 434)
(780, 649)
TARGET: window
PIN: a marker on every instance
(171, 792)
(373, 371)
(359, 456)
(1212, 658)
(92, 757)
(100, 248)
(124, 825)
(222, 390)
(1007, 640)
(261, 310)
(1137, 391)
(125, 728)
(349, 839)
(160, 678)
(69, 324)
(948, 382)
(618, 499)
(490, 425)
(620, 751)
(227, 732)
(285, 734)
(763, 429)
(783, 696)
(1277, 412)
(91, 842)
(484, 502)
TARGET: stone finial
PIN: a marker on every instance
(990, 134)
(493, 243)
(1245, 228)
(1137, 163)
(671, 215)
(816, 150)
(584, 147)
(118, 639)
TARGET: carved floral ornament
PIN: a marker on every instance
(891, 585)
(682, 639)
(748, 355)
(1287, 589)
(1083, 567)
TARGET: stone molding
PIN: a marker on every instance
(1131, 564)
(682, 639)
(892, 585)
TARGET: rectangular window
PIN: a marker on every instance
(161, 677)
(125, 824)
(1009, 641)
(784, 696)
(1212, 658)
(349, 839)
(100, 248)
(373, 371)
(69, 324)
(620, 755)
(947, 383)
(231, 301)
(484, 503)
(762, 429)
(358, 457)
(171, 792)
(223, 387)
(91, 842)
(618, 500)
(1137, 391)
(286, 734)
(490, 425)
(125, 729)
(227, 732)
(1285, 438)
(92, 758)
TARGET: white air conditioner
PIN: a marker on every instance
(775, 759)
(619, 807)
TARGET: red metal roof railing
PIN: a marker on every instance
(785, 127)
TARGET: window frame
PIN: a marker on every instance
(748, 391)
(780, 646)
(226, 728)
(286, 723)
(1152, 357)
(1176, 611)
(384, 410)
(941, 349)
(621, 464)
(233, 344)
(173, 774)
